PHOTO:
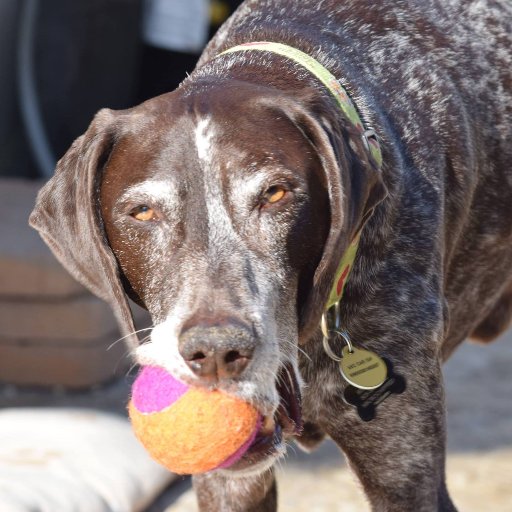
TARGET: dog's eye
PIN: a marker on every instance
(143, 213)
(274, 194)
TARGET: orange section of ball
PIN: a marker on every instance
(198, 432)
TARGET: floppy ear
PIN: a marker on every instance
(68, 219)
(355, 188)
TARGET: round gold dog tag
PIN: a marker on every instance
(362, 368)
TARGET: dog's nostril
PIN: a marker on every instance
(232, 356)
(232, 363)
(198, 356)
(218, 352)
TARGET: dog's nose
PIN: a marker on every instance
(217, 352)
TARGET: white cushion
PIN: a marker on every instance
(80, 460)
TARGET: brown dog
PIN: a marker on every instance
(225, 207)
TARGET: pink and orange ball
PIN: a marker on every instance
(190, 430)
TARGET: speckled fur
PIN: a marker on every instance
(434, 79)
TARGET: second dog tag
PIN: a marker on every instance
(362, 368)
(366, 401)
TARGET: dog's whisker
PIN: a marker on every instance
(279, 462)
(295, 346)
(131, 354)
(305, 354)
(146, 339)
(126, 336)
(292, 448)
(129, 371)
(124, 356)
(290, 377)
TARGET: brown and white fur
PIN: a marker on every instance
(236, 284)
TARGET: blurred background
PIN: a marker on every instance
(65, 443)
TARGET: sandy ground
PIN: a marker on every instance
(479, 401)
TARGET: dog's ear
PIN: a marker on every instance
(67, 216)
(355, 187)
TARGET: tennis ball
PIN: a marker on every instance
(186, 429)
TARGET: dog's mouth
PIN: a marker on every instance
(285, 423)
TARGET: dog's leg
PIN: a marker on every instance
(218, 492)
(398, 456)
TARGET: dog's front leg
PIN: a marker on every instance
(399, 456)
(219, 492)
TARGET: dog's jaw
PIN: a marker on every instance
(268, 384)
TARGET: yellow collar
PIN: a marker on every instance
(345, 103)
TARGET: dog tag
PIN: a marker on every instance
(366, 400)
(362, 368)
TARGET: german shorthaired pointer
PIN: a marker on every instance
(226, 206)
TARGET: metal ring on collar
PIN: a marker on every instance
(333, 311)
(328, 349)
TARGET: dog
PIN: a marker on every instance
(225, 207)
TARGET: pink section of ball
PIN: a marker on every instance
(155, 389)
(240, 452)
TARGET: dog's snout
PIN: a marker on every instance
(216, 353)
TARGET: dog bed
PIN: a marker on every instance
(74, 459)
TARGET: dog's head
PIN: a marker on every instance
(224, 209)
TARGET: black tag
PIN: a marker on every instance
(366, 400)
